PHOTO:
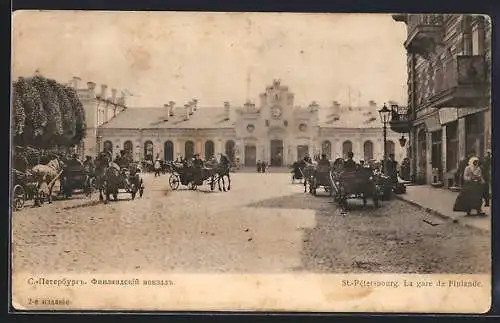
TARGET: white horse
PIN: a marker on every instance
(48, 174)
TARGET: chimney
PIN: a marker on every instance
(121, 99)
(104, 87)
(171, 106)
(186, 112)
(313, 106)
(167, 107)
(191, 108)
(76, 82)
(113, 95)
(227, 106)
(195, 104)
(91, 87)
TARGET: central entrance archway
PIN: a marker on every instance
(277, 152)
(250, 155)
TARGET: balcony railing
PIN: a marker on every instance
(461, 82)
(400, 119)
(424, 33)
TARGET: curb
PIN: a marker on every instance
(439, 214)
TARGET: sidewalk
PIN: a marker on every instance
(440, 202)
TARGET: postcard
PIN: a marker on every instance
(221, 161)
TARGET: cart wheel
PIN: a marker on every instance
(18, 203)
(174, 181)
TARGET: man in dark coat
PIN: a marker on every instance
(485, 165)
(350, 163)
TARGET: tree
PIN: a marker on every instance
(46, 113)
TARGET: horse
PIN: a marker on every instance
(48, 173)
(308, 172)
(101, 165)
(223, 169)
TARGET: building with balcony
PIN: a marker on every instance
(449, 106)
(275, 130)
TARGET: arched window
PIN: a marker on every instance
(368, 150)
(148, 150)
(326, 148)
(189, 149)
(230, 150)
(168, 150)
(128, 147)
(391, 147)
(346, 147)
(209, 149)
(108, 146)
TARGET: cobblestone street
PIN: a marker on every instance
(264, 224)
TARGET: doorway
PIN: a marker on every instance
(277, 153)
(250, 155)
(422, 157)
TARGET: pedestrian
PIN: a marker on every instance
(259, 166)
(485, 165)
(157, 166)
(470, 197)
(459, 175)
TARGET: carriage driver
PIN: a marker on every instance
(197, 168)
(350, 163)
(324, 161)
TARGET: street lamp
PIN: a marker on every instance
(402, 141)
(385, 115)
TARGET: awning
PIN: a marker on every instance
(432, 123)
(447, 115)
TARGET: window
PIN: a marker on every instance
(368, 150)
(189, 149)
(128, 147)
(229, 149)
(346, 147)
(474, 134)
(326, 148)
(108, 146)
(436, 153)
(148, 150)
(209, 149)
(452, 146)
(168, 150)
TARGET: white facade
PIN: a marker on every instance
(276, 132)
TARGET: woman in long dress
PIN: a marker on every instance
(470, 197)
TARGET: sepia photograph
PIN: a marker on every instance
(223, 161)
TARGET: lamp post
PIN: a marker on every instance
(385, 115)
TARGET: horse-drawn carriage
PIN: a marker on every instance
(127, 179)
(24, 188)
(358, 182)
(321, 177)
(191, 177)
(297, 171)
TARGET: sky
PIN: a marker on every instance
(217, 57)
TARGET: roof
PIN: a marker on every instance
(215, 118)
(156, 118)
(355, 118)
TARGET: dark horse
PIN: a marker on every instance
(102, 162)
(223, 169)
